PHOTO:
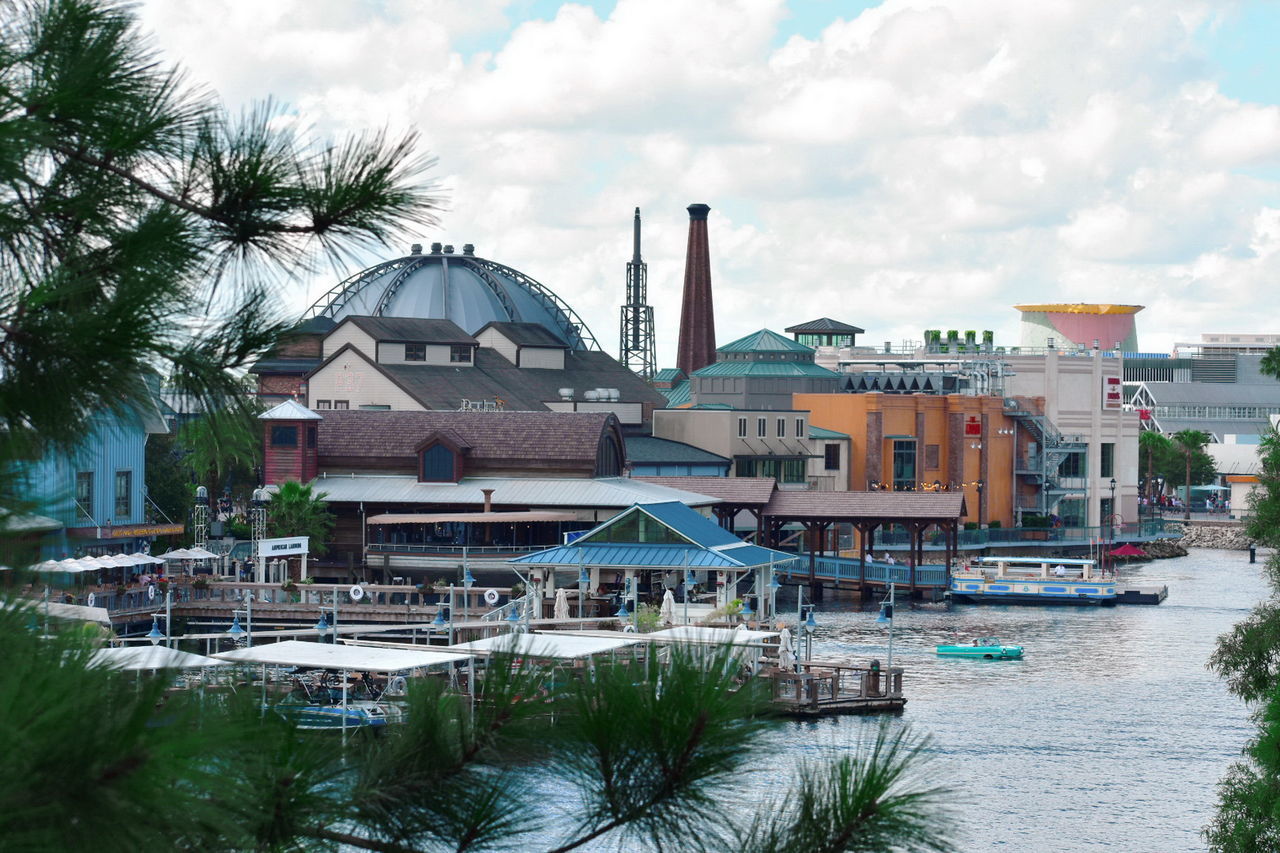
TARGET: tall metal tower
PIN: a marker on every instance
(636, 348)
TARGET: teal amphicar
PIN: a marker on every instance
(984, 648)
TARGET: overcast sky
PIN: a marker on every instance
(901, 165)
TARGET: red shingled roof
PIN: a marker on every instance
(560, 436)
(869, 505)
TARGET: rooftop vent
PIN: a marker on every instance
(591, 395)
(415, 249)
(566, 393)
(448, 250)
(468, 249)
(435, 248)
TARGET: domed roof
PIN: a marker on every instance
(466, 289)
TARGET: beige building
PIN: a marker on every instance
(763, 443)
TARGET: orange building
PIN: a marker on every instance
(913, 442)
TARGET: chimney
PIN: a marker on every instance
(697, 346)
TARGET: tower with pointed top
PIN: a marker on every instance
(697, 347)
(636, 347)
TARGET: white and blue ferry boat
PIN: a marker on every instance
(1032, 580)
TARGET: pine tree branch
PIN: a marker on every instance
(180, 202)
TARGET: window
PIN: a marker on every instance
(124, 495)
(311, 436)
(742, 427)
(638, 527)
(831, 457)
(460, 353)
(782, 469)
(324, 404)
(782, 428)
(84, 493)
(342, 404)
(931, 462)
(1107, 460)
(284, 436)
(761, 429)
(1072, 466)
(800, 433)
(904, 465)
(415, 352)
(438, 464)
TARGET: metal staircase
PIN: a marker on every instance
(1042, 468)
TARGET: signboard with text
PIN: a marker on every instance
(286, 547)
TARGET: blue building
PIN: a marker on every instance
(97, 492)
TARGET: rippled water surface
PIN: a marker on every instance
(1109, 735)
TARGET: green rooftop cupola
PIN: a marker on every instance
(765, 341)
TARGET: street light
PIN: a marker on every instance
(810, 625)
(235, 631)
(322, 627)
(886, 616)
(155, 635)
(981, 509)
(584, 583)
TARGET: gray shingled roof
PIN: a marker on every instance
(644, 448)
(523, 388)
(491, 436)
(825, 324)
(525, 334)
(413, 329)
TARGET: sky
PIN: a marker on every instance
(901, 165)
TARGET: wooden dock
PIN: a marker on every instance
(1141, 594)
(824, 688)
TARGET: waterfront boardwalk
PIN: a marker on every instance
(827, 688)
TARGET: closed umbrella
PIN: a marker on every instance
(668, 608)
(786, 651)
(561, 610)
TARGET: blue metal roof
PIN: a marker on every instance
(713, 547)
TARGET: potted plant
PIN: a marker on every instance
(201, 582)
(517, 589)
(121, 589)
(288, 585)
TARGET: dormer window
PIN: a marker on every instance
(415, 352)
(459, 353)
(439, 464)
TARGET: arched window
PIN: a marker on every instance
(609, 458)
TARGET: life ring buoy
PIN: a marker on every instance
(491, 596)
(356, 592)
(91, 600)
(151, 592)
(396, 686)
(628, 629)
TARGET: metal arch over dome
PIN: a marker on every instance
(466, 289)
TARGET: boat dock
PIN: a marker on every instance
(1141, 594)
(825, 688)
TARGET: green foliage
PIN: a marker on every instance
(168, 482)
(144, 230)
(874, 800)
(222, 448)
(646, 752)
(295, 510)
(1248, 658)
(648, 618)
(1270, 365)
(1166, 456)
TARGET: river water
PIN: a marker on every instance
(1109, 735)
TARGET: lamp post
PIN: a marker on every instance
(155, 635)
(324, 626)
(774, 586)
(810, 625)
(981, 509)
(689, 582)
(584, 583)
(1111, 514)
(468, 580)
(886, 615)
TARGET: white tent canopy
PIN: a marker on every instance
(561, 646)
(73, 612)
(713, 636)
(135, 658)
(331, 656)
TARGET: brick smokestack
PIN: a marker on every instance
(697, 346)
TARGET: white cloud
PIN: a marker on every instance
(927, 164)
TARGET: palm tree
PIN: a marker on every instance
(1154, 444)
(295, 510)
(1270, 365)
(1189, 442)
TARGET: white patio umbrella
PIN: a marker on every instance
(786, 651)
(177, 554)
(561, 610)
(74, 566)
(141, 559)
(668, 611)
(199, 553)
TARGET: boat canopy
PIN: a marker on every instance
(330, 656)
(560, 646)
(713, 636)
(134, 658)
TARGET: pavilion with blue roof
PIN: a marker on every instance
(660, 538)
